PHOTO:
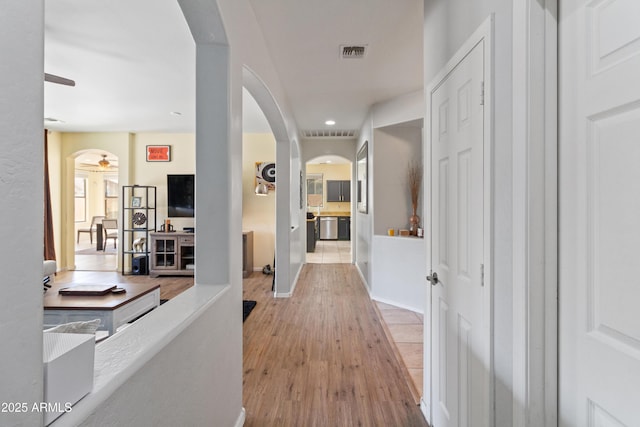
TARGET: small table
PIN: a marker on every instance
(114, 310)
(99, 237)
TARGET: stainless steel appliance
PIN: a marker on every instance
(328, 227)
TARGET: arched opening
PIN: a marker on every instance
(328, 186)
(95, 197)
(258, 207)
(288, 261)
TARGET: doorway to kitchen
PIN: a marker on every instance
(328, 185)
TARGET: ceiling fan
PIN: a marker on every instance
(52, 78)
(103, 165)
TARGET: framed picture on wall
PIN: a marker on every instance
(266, 174)
(301, 192)
(158, 153)
(362, 170)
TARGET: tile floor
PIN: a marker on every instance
(405, 328)
(330, 252)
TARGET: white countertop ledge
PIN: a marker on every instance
(120, 356)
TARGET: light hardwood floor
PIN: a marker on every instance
(321, 357)
(404, 329)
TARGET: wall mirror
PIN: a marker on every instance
(362, 189)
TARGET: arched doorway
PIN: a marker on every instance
(328, 200)
(288, 211)
(95, 196)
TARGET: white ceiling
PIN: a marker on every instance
(134, 68)
(89, 161)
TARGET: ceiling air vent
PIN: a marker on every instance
(353, 51)
(329, 133)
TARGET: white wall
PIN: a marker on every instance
(448, 23)
(395, 148)
(183, 155)
(402, 109)
(185, 384)
(393, 267)
(362, 227)
(21, 225)
(398, 272)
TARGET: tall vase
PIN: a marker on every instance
(414, 222)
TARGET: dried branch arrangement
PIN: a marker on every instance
(414, 178)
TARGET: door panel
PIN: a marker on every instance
(599, 366)
(442, 223)
(460, 335)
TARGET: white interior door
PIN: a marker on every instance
(459, 327)
(599, 206)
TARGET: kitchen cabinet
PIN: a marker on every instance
(338, 191)
(311, 235)
(344, 228)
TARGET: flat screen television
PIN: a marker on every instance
(181, 195)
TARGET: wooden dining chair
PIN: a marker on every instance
(110, 229)
(92, 228)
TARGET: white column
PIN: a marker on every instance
(213, 165)
(283, 219)
(21, 211)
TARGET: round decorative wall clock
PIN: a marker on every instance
(139, 218)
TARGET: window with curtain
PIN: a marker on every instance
(111, 196)
(80, 194)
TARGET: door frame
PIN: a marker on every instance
(535, 215)
(483, 33)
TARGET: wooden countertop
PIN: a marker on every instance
(334, 214)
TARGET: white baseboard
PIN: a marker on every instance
(295, 281)
(395, 304)
(366, 285)
(241, 418)
(293, 287)
(282, 295)
(425, 410)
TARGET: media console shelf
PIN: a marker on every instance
(172, 254)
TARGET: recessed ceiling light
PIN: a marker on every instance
(175, 113)
(330, 122)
